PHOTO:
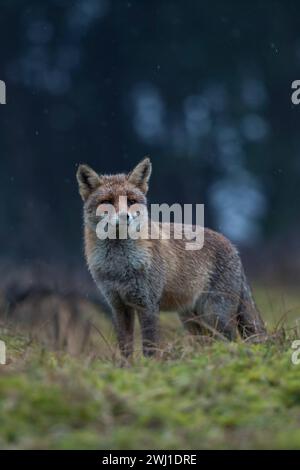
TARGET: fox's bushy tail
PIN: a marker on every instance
(250, 323)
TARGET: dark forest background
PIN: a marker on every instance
(204, 88)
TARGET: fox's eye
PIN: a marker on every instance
(130, 202)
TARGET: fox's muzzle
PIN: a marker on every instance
(123, 218)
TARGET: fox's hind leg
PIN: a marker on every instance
(213, 313)
(191, 321)
(217, 313)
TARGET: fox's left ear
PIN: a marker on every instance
(140, 175)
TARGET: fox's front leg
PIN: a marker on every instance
(123, 317)
(149, 326)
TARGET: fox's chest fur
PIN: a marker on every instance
(118, 260)
(125, 269)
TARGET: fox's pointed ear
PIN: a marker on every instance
(140, 175)
(88, 181)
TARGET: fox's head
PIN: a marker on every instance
(115, 199)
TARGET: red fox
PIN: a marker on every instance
(207, 287)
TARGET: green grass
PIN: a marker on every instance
(197, 394)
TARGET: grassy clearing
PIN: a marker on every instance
(198, 394)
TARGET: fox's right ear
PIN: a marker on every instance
(88, 181)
